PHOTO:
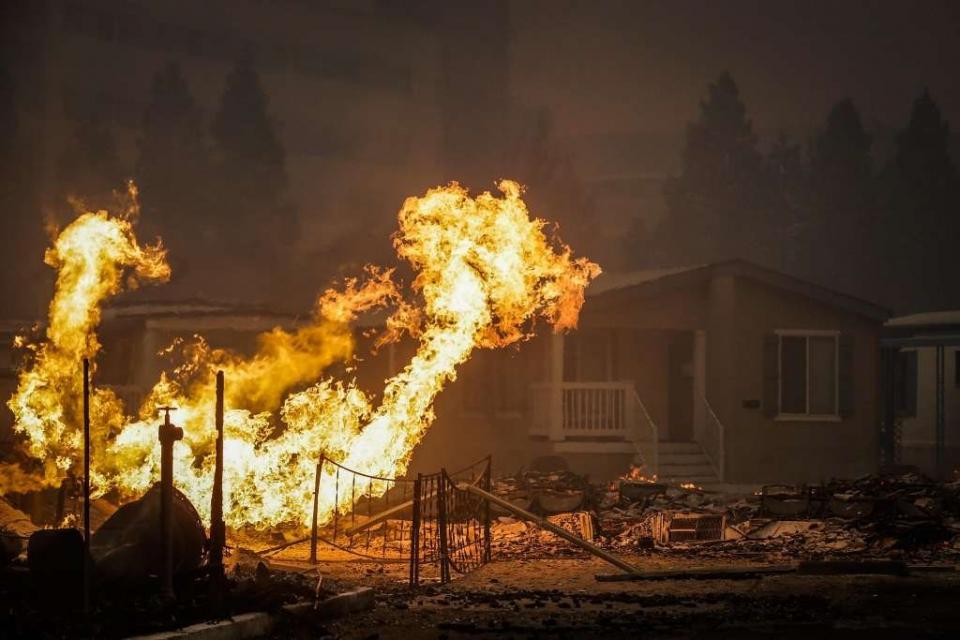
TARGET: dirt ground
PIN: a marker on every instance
(560, 598)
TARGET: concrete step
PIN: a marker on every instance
(680, 447)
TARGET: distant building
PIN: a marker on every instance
(720, 372)
(133, 334)
(923, 388)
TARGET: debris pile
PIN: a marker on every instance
(546, 492)
(512, 538)
(907, 515)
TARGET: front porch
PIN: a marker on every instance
(625, 391)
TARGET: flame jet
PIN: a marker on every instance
(96, 257)
(486, 273)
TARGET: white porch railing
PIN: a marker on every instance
(595, 410)
(712, 439)
(587, 409)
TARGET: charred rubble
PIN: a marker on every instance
(877, 516)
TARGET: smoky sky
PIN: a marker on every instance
(376, 100)
(620, 65)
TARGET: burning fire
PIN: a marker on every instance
(485, 273)
(637, 474)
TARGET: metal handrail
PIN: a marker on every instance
(654, 431)
(718, 463)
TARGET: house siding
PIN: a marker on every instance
(764, 449)
(736, 313)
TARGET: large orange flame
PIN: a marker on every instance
(486, 273)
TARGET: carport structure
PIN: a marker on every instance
(921, 411)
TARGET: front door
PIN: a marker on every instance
(680, 388)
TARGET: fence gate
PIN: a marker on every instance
(428, 522)
(451, 527)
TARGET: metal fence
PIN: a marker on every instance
(429, 522)
(451, 526)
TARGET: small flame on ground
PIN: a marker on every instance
(638, 474)
(485, 274)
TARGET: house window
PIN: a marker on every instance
(809, 380)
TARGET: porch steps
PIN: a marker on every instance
(685, 462)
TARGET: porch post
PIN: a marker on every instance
(699, 383)
(556, 387)
(939, 437)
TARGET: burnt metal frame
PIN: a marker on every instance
(449, 527)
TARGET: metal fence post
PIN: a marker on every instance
(442, 525)
(486, 512)
(87, 568)
(415, 534)
(313, 524)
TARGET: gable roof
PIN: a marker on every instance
(656, 280)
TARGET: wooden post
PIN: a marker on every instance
(940, 430)
(313, 524)
(87, 569)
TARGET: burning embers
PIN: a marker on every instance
(485, 273)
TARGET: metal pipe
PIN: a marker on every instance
(167, 434)
(218, 531)
(549, 526)
(87, 569)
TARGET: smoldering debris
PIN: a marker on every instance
(909, 516)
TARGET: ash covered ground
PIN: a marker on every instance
(905, 528)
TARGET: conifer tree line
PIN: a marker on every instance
(214, 188)
(829, 209)
(826, 209)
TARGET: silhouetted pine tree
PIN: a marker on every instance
(173, 171)
(719, 205)
(251, 175)
(924, 223)
(89, 169)
(842, 233)
(787, 170)
(555, 189)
